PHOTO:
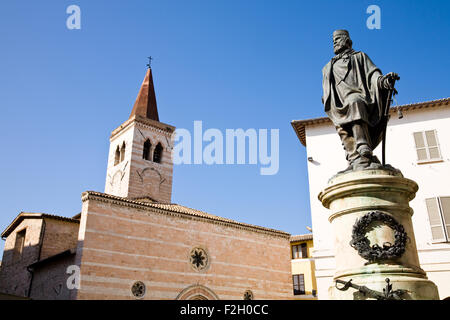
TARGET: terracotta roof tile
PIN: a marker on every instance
(145, 104)
(301, 237)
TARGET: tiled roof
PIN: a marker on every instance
(299, 125)
(176, 208)
(301, 237)
(145, 104)
(33, 215)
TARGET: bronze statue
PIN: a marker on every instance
(356, 96)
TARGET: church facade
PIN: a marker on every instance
(132, 242)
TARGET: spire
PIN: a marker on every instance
(145, 104)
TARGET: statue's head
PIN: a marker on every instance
(341, 41)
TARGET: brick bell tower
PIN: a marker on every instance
(140, 165)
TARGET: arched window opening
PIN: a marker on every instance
(157, 154)
(122, 152)
(147, 148)
(117, 156)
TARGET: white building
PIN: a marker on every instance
(418, 145)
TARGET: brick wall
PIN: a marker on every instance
(59, 236)
(120, 244)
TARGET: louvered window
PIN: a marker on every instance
(427, 146)
(439, 217)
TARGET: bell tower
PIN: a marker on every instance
(140, 165)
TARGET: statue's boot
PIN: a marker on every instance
(361, 135)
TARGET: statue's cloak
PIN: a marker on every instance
(351, 93)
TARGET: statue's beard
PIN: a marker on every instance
(341, 46)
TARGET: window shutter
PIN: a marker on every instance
(432, 144)
(445, 207)
(427, 146)
(420, 146)
(437, 232)
(294, 249)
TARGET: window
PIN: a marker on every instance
(20, 242)
(439, 215)
(299, 251)
(427, 146)
(304, 250)
(122, 152)
(299, 284)
(117, 156)
(248, 295)
(138, 289)
(157, 154)
(147, 148)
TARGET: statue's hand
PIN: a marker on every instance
(388, 80)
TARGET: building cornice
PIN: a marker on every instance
(181, 212)
(300, 125)
(148, 123)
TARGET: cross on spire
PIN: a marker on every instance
(149, 64)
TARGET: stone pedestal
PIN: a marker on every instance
(374, 204)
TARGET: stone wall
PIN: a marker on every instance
(50, 280)
(14, 277)
(44, 237)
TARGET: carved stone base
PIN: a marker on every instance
(373, 232)
(414, 282)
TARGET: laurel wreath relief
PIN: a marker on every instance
(375, 253)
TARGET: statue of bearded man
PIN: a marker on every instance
(355, 94)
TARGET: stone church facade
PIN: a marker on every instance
(132, 242)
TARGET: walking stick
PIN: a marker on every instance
(391, 92)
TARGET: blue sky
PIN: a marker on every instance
(231, 64)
